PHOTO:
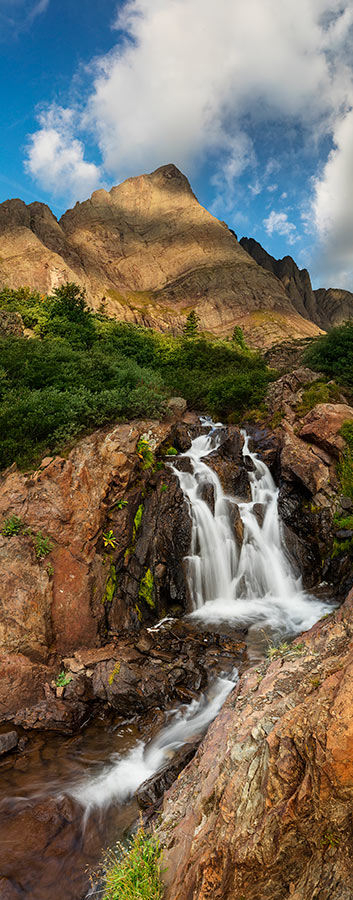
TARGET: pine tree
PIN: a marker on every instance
(192, 324)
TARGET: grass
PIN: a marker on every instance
(277, 652)
(134, 873)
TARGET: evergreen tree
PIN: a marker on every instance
(191, 326)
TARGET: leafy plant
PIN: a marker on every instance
(134, 873)
(145, 453)
(63, 679)
(171, 451)
(43, 545)
(12, 525)
(120, 504)
(108, 539)
(276, 652)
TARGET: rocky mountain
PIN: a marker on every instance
(324, 307)
(150, 253)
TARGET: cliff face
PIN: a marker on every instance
(263, 811)
(150, 253)
(324, 307)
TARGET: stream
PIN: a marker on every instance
(90, 779)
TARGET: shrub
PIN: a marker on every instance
(134, 873)
(43, 545)
(12, 525)
(333, 353)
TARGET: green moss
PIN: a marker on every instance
(138, 611)
(146, 589)
(114, 673)
(171, 451)
(137, 521)
(110, 585)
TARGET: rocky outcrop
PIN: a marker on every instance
(326, 308)
(322, 426)
(264, 808)
(147, 252)
(57, 599)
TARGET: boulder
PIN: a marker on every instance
(8, 741)
(299, 462)
(323, 424)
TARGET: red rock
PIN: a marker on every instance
(264, 809)
(298, 461)
(323, 424)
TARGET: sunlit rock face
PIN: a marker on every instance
(148, 252)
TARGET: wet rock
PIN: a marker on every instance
(21, 683)
(184, 465)
(8, 742)
(180, 437)
(150, 793)
(206, 493)
(344, 534)
(259, 510)
(248, 463)
(151, 576)
(236, 522)
(323, 424)
(52, 715)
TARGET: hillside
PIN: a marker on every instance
(327, 308)
(150, 253)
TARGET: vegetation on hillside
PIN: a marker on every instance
(333, 354)
(79, 370)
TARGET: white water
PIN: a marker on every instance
(119, 781)
(255, 587)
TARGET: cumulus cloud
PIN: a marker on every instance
(332, 209)
(55, 157)
(194, 79)
(277, 223)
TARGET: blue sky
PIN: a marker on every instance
(254, 102)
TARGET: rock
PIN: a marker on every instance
(344, 534)
(346, 503)
(206, 493)
(299, 462)
(326, 308)
(177, 406)
(264, 810)
(52, 715)
(8, 890)
(8, 741)
(150, 793)
(284, 394)
(323, 424)
(149, 252)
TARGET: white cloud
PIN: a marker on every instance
(272, 187)
(194, 78)
(332, 210)
(56, 159)
(277, 223)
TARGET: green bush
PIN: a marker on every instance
(12, 525)
(134, 873)
(319, 392)
(333, 354)
(81, 370)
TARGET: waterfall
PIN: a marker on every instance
(254, 586)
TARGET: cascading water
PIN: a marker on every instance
(231, 586)
(255, 586)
